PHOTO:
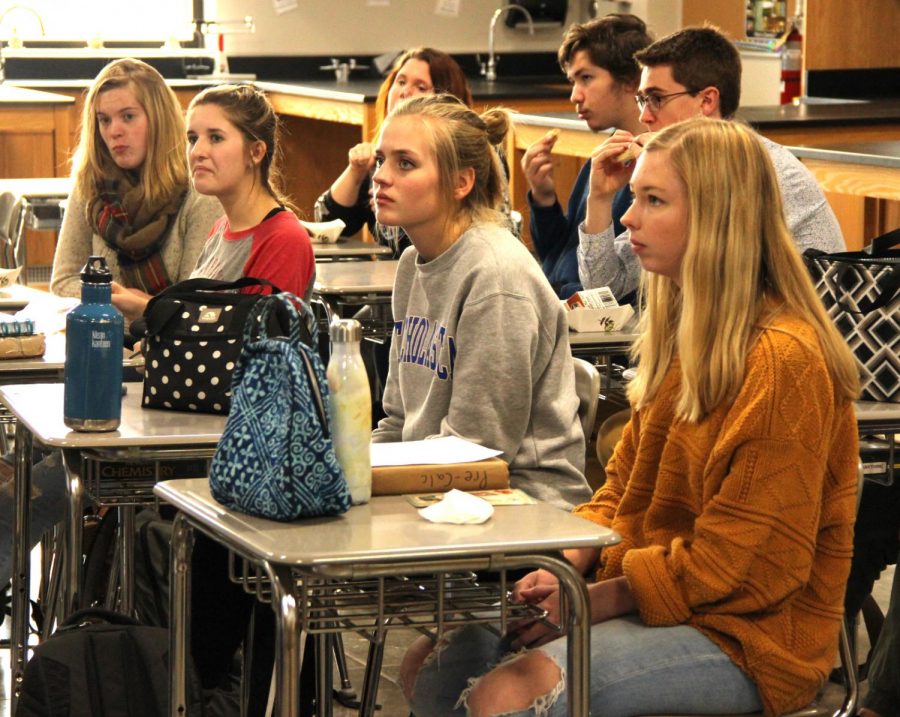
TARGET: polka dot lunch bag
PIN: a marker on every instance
(192, 336)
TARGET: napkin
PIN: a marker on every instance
(324, 232)
(459, 508)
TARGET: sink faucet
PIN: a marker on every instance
(490, 69)
(342, 70)
(14, 33)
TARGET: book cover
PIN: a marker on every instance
(15, 347)
(479, 475)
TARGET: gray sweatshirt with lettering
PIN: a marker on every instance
(480, 350)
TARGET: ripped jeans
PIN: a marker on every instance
(48, 507)
(635, 670)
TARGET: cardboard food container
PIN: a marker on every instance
(611, 318)
(324, 232)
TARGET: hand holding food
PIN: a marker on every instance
(609, 171)
(362, 158)
(631, 153)
(537, 165)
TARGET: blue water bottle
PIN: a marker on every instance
(94, 344)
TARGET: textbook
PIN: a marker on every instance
(14, 347)
(494, 496)
(439, 478)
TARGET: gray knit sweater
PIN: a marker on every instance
(480, 350)
(77, 241)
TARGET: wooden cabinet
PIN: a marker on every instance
(319, 132)
(34, 142)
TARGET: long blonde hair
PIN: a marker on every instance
(739, 269)
(164, 173)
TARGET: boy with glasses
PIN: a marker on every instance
(598, 60)
(693, 72)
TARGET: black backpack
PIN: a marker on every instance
(103, 664)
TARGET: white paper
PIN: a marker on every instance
(48, 314)
(458, 508)
(445, 450)
(447, 8)
(283, 6)
(8, 277)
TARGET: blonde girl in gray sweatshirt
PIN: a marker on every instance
(480, 347)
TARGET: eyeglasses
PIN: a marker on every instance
(655, 101)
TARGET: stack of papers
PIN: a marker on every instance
(435, 451)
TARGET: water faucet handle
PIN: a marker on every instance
(335, 64)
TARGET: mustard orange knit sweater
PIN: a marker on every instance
(742, 525)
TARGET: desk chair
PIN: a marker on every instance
(847, 654)
(10, 209)
(587, 386)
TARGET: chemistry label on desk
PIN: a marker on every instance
(596, 310)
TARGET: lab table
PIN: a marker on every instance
(349, 249)
(361, 289)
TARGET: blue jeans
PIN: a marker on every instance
(48, 507)
(884, 669)
(635, 670)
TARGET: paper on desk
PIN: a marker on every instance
(459, 508)
(8, 277)
(48, 313)
(444, 450)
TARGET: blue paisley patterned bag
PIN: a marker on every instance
(276, 459)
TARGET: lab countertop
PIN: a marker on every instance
(363, 90)
(876, 154)
(806, 114)
(812, 114)
(83, 84)
(366, 89)
(23, 95)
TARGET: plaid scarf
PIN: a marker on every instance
(135, 229)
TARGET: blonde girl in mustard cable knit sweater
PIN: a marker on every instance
(733, 486)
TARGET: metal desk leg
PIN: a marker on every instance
(179, 606)
(72, 562)
(324, 678)
(578, 627)
(54, 582)
(287, 642)
(368, 703)
(126, 559)
(21, 562)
